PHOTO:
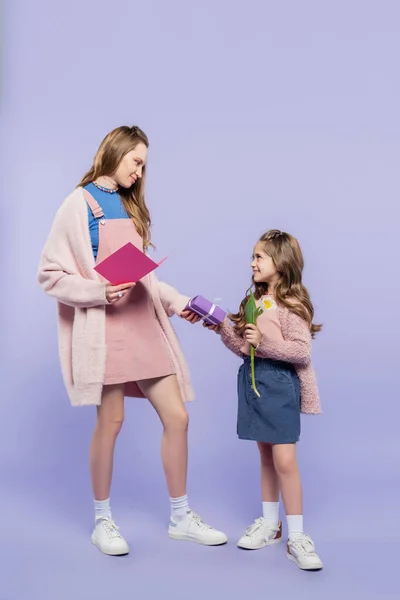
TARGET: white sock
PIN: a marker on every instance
(179, 508)
(102, 509)
(271, 513)
(295, 526)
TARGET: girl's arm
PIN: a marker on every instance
(232, 340)
(58, 268)
(295, 348)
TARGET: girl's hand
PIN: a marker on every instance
(116, 292)
(211, 327)
(253, 335)
(190, 316)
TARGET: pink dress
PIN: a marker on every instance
(136, 344)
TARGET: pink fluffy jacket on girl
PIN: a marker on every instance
(66, 272)
(295, 348)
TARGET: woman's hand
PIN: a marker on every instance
(253, 335)
(116, 292)
(190, 316)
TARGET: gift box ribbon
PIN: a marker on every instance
(212, 309)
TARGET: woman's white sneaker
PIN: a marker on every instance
(259, 534)
(107, 538)
(193, 529)
(301, 551)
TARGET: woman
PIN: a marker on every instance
(117, 341)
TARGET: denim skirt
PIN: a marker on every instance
(275, 416)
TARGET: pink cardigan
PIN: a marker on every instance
(295, 349)
(66, 272)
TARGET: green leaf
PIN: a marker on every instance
(250, 309)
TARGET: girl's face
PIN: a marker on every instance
(264, 270)
(131, 167)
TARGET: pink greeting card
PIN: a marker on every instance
(126, 265)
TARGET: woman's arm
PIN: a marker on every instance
(173, 302)
(59, 268)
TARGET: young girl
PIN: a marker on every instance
(286, 384)
(117, 341)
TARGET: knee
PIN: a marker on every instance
(285, 465)
(266, 454)
(110, 425)
(177, 421)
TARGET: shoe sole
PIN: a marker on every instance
(185, 537)
(293, 559)
(263, 545)
(112, 553)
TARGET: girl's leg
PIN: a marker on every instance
(285, 462)
(110, 416)
(268, 530)
(269, 477)
(269, 485)
(300, 547)
(165, 397)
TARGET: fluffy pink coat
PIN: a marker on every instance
(66, 272)
(295, 349)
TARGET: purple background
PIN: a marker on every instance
(260, 114)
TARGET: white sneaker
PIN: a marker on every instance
(259, 534)
(193, 529)
(302, 552)
(108, 539)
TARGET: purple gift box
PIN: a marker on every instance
(209, 312)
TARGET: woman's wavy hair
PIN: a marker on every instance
(111, 151)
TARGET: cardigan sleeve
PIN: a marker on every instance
(231, 339)
(173, 302)
(295, 348)
(59, 270)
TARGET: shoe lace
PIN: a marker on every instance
(199, 521)
(111, 529)
(304, 544)
(254, 528)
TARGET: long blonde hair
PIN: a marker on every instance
(111, 151)
(290, 292)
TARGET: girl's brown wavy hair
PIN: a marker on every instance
(111, 151)
(290, 292)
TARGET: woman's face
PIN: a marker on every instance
(131, 167)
